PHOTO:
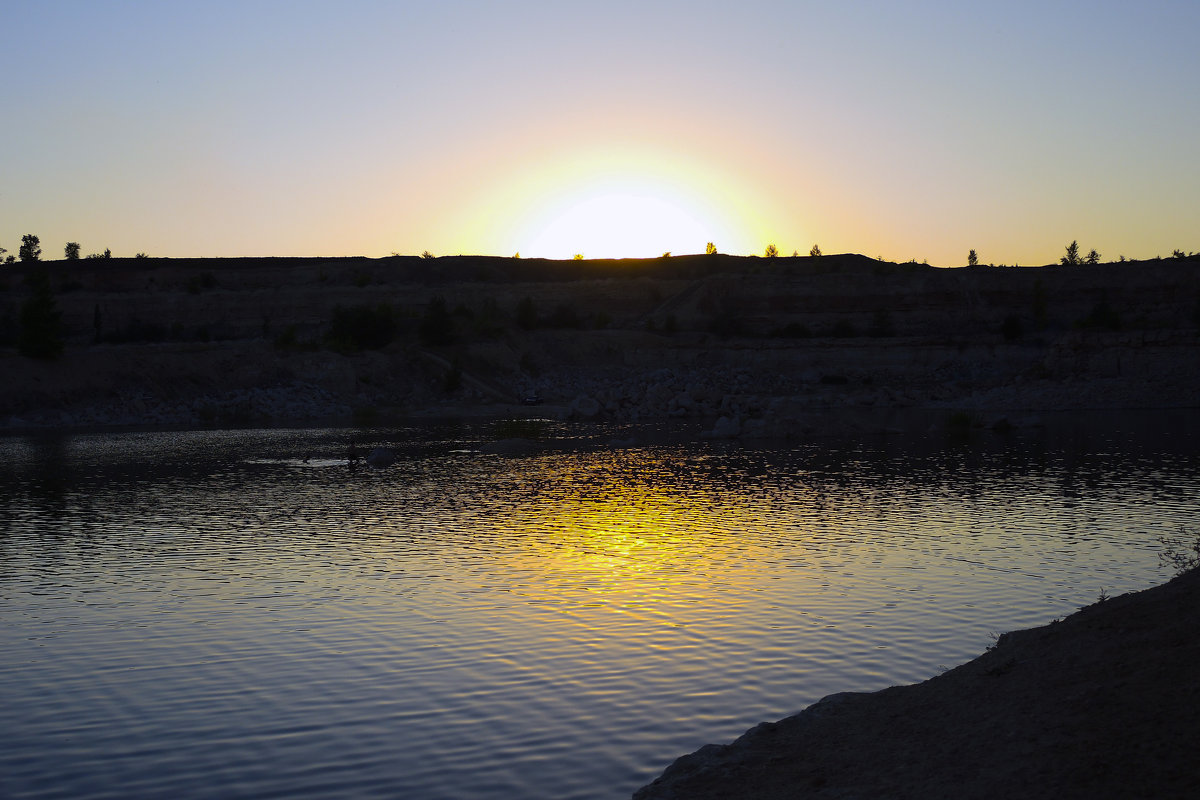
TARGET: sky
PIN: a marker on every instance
(901, 130)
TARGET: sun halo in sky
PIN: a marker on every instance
(628, 205)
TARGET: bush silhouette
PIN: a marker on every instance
(710, 249)
(771, 252)
(972, 259)
(1102, 317)
(40, 321)
(362, 327)
(816, 251)
(71, 251)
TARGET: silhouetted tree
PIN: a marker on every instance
(771, 251)
(427, 254)
(1092, 257)
(972, 259)
(710, 249)
(31, 248)
(1072, 256)
(71, 251)
(816, 251)
(41, 323)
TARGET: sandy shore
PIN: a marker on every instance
(1105, 703)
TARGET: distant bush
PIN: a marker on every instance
(771, 252)
(363, 327)
(71, 251)
(972, 259)
(710, 249)
(816, 251)
(1011, 328)
(1102, 317)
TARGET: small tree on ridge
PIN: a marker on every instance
(1072, 256)
(31, 248)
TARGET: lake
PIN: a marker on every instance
(241, 614)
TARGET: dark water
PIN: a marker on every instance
(210, 614)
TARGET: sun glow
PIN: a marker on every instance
(622, 224)
(626, 203)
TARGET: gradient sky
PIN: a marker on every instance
(908, 130)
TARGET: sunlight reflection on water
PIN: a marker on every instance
(238, 612)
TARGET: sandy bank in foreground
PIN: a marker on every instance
(1105, 703)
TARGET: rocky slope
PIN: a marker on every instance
(1105, 703)
(757, 342)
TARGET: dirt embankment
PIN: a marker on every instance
(1105, 703)
(758, 342)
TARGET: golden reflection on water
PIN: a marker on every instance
(635, 531)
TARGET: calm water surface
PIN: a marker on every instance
(239, 614)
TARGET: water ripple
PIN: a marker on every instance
(240, 613)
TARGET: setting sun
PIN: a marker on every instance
(624, 202)
(621, 225)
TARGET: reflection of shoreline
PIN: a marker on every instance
(1101, 704)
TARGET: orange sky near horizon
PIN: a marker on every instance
(915, 131)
